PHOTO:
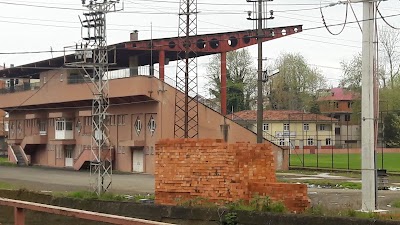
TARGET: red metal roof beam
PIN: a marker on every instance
(214, 43)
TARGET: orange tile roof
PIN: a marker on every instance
(280, 115)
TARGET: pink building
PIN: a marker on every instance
(50, 120)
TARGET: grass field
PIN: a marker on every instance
(3, 159)
(391, 161)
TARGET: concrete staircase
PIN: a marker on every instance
(20, 157)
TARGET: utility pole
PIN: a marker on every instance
(260, 24)
(92, 57)
(368, 138)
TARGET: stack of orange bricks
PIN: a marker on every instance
(220, 172)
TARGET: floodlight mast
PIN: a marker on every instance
(92, 56)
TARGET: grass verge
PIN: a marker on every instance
(104, 197)
(4, 185)
(5, 162)
(330, 184)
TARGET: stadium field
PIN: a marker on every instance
(391, 161)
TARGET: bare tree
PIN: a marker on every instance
(389, 40)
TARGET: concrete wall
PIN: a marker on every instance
(170, 214)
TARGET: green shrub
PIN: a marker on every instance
(230, 219)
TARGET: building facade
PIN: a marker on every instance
(50, 105)
(340, 104)
(293, 129)
(54, 127)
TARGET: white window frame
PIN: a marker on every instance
(306, 126)
(265, 127)
(138, 125)
(328, 142)
(310, 141)
(322, 127)
(282, 142)
(286, 127)
(152, 125)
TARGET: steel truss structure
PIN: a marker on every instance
(92, 56)
(186, 106)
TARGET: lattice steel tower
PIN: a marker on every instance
(186, 105)
(92, 57)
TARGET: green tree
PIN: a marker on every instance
(241, 79)
(392, 130)
(352, 73)
(295, 87)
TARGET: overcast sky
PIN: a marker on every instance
(29, 28)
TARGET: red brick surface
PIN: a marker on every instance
(217, 171)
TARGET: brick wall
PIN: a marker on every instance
(217, 171)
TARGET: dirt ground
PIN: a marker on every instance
(54, 180)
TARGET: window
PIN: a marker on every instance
(347, 117)
(42, 126)
(310, 142)
(306, 127)
(281, 142)
(88, 121)
(336, 104)
(19, 127)
(337, 117)
(112, 120)
(138, 126)
(121, 119)
(59, 151)
(349, 105)
(152, 125)
(328, 141)
(322, 127)
(286, 127)
(337, 131)
(265, 127)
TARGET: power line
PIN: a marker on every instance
(354, 13)
(205, 12)
(324, 21)
(384, 19)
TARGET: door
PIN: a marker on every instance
(69, 160)
(137, 161)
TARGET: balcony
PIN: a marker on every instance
(20, 88)
(64, 130)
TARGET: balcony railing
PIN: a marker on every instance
(20, 88)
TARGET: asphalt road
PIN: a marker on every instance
(58, 180)
(44, 179)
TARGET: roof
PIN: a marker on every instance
(338, 94)
(202, 45)
(280, 115)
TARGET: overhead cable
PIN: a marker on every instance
(324, 21)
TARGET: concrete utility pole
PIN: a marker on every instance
(260, 110)
(261, 20)
(367, 109)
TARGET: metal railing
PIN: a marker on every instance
(20, 88)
